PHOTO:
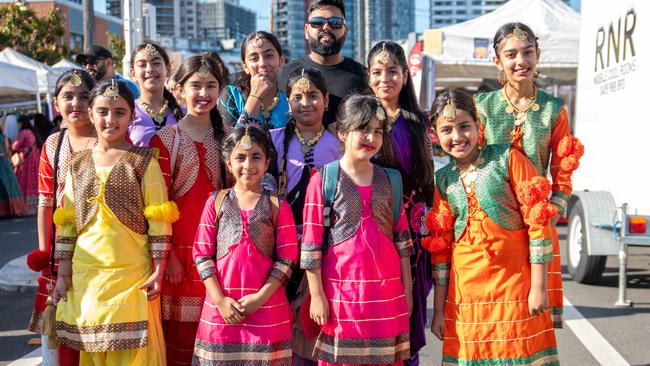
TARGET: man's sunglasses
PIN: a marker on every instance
(334, 22)
(93, 61)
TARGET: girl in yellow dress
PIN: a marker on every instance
(115, 227)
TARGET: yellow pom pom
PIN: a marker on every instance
(63, 216)
(165, 212)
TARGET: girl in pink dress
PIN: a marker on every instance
(244, 249)
(357, 280)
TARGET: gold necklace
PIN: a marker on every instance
(158, 117)
(266, 111)
(469, 174)
(521, 116)
(394, 117)
(307, 146)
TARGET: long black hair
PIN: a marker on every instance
(243, 80)
(415, 119)
(86, 80)
(316, 79)
(191, 66)
(177, 112)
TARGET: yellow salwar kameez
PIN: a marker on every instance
(106, 316)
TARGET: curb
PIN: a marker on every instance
(15, 276)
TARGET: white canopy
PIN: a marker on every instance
(46, 76)
(65, 64)
(17, 81)
(466, 49)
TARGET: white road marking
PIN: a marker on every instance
(31, 359)
(595, 343)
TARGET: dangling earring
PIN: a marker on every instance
(501, 77)
(480, 142)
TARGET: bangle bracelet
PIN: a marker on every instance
(255, 96)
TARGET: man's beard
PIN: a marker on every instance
(100, 71)
(324, 49)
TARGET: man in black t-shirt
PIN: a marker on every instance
(326, 32)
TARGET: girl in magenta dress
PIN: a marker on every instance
(244, 250)
(156, 107)
(26, 145)
(358, 282)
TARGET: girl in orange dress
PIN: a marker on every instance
(491, 243)
(534, 122)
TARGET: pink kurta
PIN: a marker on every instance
(264, 336)
(369, 321)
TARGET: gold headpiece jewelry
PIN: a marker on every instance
(258, 41)
(75, 79)
(380, 114)
(449, 112)
(150, 49)
(204, 70)
(245, 143)
(303, 84)
(383, 57)
(111, 92)
(519, 34)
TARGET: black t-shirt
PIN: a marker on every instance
(341, 79)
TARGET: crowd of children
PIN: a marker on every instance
(207, 226)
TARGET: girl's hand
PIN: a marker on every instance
(319, 310)
(231, 311)
(261, 86)
(63, 284)
(537, 301)
(153, 284)
(251, 303)
(438, 325)
(409, 301)
(174, 272)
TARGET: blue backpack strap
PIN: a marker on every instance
(395, 179)
(330, 180)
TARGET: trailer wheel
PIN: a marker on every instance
(583, 268)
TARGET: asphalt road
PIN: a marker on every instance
(626, 329)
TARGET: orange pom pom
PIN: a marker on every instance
(542, 212)
(438, 223)
(533, 191)
(435, 245)
(570, 163)
(578, 148)
(564, 147)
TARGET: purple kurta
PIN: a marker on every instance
(143, 127)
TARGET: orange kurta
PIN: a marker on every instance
(488, 271)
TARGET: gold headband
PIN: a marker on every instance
(383, 57)
(75, 79)
(112, 91)
(204, 70)
(150, 49)
(380, 114)
(246, 143)
(303, 84)
(519, 34)
(258, 41)
(449, 112)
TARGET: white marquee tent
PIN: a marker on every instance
(465, 51)
(65, 64)
(17, 81)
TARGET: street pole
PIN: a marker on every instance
(132, 22)
(88, 23)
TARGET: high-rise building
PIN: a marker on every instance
(224, 19)
(114, 8)
(447, 12)
(176, 18)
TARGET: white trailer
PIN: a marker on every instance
(611, 202)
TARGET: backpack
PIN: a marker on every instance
(330, 174)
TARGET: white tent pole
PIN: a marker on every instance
(50, 112)
(39, 107)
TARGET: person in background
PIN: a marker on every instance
(11, 201)
(390, 81)
(25, 161)
(98, 61)
(156, 107)
(43, 126)
(256, 98)
(326, 31)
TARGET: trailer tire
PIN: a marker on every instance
(582, 267)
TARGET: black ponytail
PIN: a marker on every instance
(289, 132)
(173, 104)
